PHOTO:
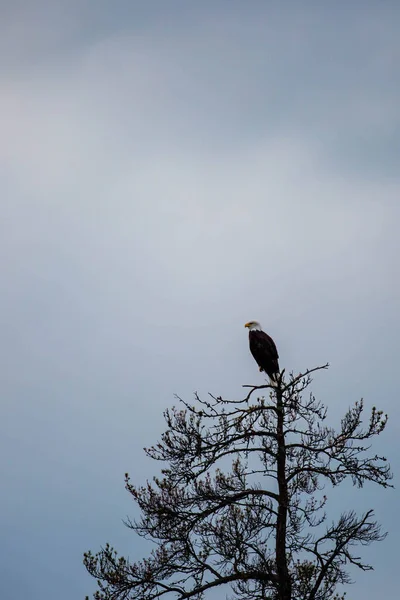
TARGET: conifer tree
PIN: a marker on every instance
(241, 501)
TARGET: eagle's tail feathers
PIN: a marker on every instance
(276, 378)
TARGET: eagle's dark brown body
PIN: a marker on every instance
(263, 348)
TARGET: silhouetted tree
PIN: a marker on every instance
(240, 501)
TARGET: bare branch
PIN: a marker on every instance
(242, 496)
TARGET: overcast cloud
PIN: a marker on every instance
(168, 171)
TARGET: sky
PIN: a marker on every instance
(169, 171)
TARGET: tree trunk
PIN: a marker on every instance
(285, 586)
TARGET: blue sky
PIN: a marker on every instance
(169, 171)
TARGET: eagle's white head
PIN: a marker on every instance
(253, 326)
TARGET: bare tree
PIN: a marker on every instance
(240, 503)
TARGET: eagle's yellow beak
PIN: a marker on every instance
(247, 324)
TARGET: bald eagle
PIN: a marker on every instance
(264, 351)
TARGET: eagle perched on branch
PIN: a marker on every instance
(264, 351)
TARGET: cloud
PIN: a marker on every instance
(163, 183)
